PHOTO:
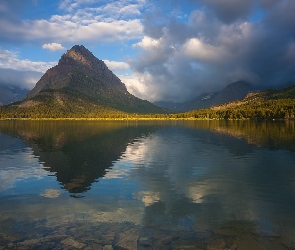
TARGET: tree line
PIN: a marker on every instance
(270, 109)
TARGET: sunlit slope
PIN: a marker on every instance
(269, 104)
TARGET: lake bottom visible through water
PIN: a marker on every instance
(147, 185)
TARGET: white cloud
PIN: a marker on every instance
(22, 73)
(136, 84)
(103, 31)
(9, 59)
(63, 30)
(114, 9)
(148, 43)
(53, 46)
(81, 21)
(117, 66)
(15, 169)
(197, 49)
(147, 197)
(51, 193)
(70, 5)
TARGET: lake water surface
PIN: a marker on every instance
(147, 185)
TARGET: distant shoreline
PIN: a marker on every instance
(140, 119)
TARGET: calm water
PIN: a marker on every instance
(147, 185)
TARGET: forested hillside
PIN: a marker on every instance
(269, 104)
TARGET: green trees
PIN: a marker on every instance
(59, 105)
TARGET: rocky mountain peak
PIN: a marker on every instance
(78, 76)
(79, 69)
(79, 55)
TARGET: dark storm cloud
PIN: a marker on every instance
(273, 46)
(267, 3)
(219, 44)
(229, 11)
(282, 17)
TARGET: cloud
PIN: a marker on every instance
(51, 193)
(136, 85)
(23, 79)
(110, 9)
(22, 73)
(229, 11)
(179, 60)
(53, 46)
(117, 66)
(107, 22)
(68, 31)
(16, 169)
(9, 59)
(198, 50)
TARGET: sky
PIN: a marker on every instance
(162, 50)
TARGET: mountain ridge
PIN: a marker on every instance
(269, 104)
(11, 94)
(232, 92)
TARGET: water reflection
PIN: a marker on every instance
(77, 153)
(164, 185)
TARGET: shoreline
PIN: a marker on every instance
(139, 119)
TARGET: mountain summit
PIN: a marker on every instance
(78, 68)
(79, 72)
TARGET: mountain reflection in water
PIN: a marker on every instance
(78, 153)
(161, 184)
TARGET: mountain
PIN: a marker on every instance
(271, 94)
(11, 94)
(79, 73)
(232, 92)
(269, 104)
(201, 102)
(173, 106)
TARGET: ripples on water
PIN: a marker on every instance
(138, 185)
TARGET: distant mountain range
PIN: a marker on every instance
(269, 104)
(82, 86)
(232, 92)
(11, 94)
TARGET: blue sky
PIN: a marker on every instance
(162, 50)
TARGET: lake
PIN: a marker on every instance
(147, 185)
